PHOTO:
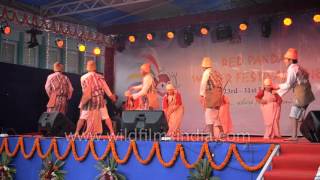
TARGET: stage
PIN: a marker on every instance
(230, 159)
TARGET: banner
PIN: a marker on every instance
(244, 62)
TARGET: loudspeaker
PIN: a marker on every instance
(144, 121)
(55, 124)
(310, 127)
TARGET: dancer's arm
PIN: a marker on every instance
(147, 83)
(291, 80)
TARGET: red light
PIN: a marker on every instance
(7, 30)
(204, 31)
(149, 37)
(59, 43)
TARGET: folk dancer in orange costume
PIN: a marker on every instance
(225, 116)
(173, 109)
(271, 108)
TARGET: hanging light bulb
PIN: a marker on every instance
(81, 47)
(96, 51)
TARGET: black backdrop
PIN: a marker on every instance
(23, 97)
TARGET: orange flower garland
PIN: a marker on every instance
(155, 150)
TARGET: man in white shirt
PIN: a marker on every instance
(146, 91)
(296, 75)
(211, 80)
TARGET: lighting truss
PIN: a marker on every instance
(61, 8)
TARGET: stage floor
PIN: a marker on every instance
(139, 159)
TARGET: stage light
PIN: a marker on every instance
(204, 31)
(59, 43)
(132, 38)
(33, 37)
(188, 36)
(81, 47)
(266, 27)
(316, 18)
(149, 36)
(5, 28)
(119, 42)
(287, 21)
(170, 35)
(243, 26)
(96, 51)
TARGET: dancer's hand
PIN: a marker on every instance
(113, 98)
(127, 94)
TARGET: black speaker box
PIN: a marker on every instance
(310, 127)
(141, 120)
(55, 124)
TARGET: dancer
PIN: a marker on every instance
(93, 105)
(59, 90)
(298, 80)
(270, 108)
(173, 109)
(211, 97)
(147, 93)
(225, 116)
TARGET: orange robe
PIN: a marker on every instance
(271, 113)
(173, 108)
(224, 115)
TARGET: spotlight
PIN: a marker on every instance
(132, 38)
(223, 32)
(150, 36)
(287, 21)
(5, 28)
(204, 30)
(81, 47)
(59, 43)
(170, 35)
(316, 18)
(243, 26)
(188, 36)
(96, 51)
(266, 28)
(33, 37)
(118, 42)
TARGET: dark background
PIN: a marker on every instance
(23, 97)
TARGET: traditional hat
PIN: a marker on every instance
(267, 82)
(291, 53)
(146, 67)
(91, 66)
(206, 62)
(57, 67)
(169, 87)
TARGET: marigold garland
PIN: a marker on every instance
(155, 151)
